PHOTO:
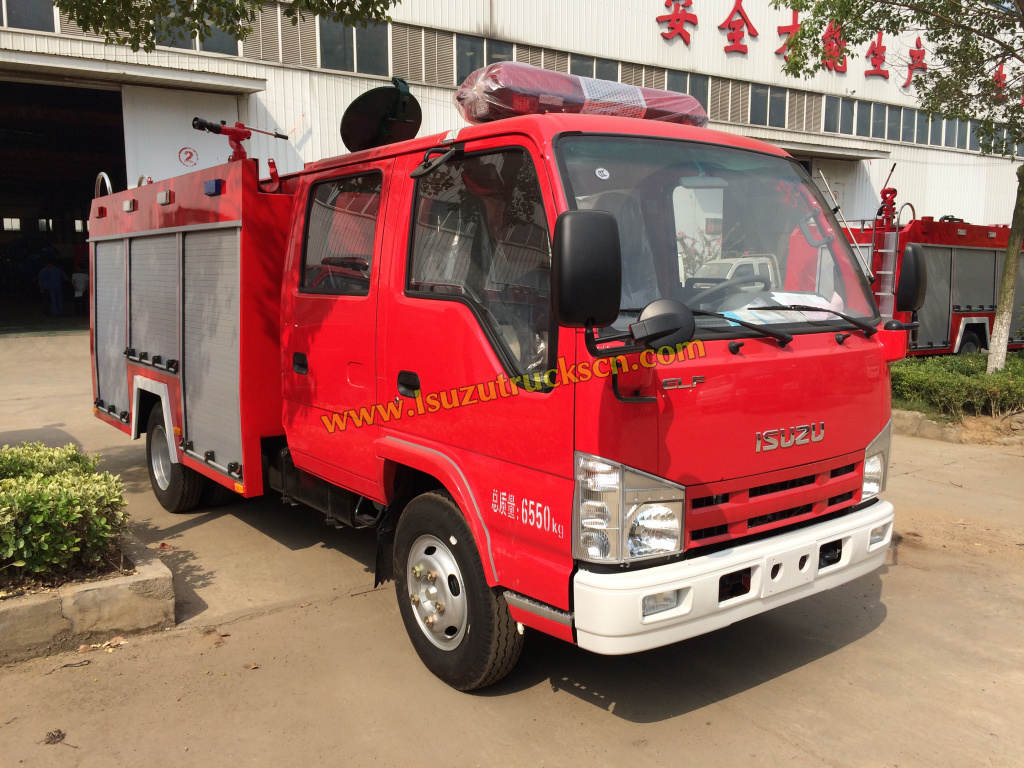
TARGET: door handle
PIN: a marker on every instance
(408, 383)
(300, 364)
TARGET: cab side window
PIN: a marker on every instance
(340, 228)
(480, 236)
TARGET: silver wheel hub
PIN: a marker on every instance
(437, 592)
(160, 457)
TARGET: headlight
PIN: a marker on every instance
(622, 515)
(876, 464)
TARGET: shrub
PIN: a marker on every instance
(57, 514)
(957, 384)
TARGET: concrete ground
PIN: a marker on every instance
(918, 664)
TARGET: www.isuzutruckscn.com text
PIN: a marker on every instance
(503, 387)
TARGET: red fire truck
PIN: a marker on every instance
(964, 264)
(481, 344)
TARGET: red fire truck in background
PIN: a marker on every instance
(482, 345)
(964, 264)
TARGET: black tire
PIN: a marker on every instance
(969, 343)
(481, 643)
(216, 495)
(177, 487)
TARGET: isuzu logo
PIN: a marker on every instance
(787, 437)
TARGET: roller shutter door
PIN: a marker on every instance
(154, 296)
(110, 324)
(209, 365)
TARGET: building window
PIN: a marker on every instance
(699, 87)
(846, 111)
(606, 69)
(372, 49)
(777, 108)
(922, 127)
(832, 114)
(469, 55)
(677, 81)
(973, 143)
(498, 51)
(951, 133)
(758, 104)
(79, 225)
(893, 126)
(46, 225)
(878, 121)
(354, 49)
(936, 132)
(864, 118)
(962, 129)
(337, 46)
(581, 65)
(12, 225)
(36, 15)
(909, 125)
(219, 41)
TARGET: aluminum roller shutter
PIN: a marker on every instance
(974, 279)
(154, 296)
(110, 325)
(934, 315)
(210, 339)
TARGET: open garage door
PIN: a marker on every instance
(54, 140)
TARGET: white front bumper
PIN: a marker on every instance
(608, 606)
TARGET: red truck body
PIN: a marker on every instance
(265, 382)
(964, 263)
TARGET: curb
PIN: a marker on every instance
(39, 625)
(914, 424)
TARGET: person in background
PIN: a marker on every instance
(51, 284)
(80, 282)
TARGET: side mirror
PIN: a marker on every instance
(664, 323)
(586, 269)
(913, 280)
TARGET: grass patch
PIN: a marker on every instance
(957, 385)
(59, 518)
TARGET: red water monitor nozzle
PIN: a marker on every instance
(236, 134)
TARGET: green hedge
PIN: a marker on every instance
(58, 516)
(957, 385)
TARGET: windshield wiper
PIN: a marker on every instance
(869, 330)
(780, 336)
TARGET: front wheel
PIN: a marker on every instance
(461, 628)
(969, 344)
(178, 488)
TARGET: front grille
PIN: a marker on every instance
(709, 533)
(782, 514)
(710, 501)
(764, 490)
(733, 509)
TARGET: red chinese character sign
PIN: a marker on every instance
(876, 55)
(999, 78)
(916, 61)
(677, 19)
(835, 54)
(738, 24)
(788, 30)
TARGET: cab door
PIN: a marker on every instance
(329, 325)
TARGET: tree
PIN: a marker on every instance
(142, 23)
(975, 70)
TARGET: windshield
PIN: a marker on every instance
(722, 230)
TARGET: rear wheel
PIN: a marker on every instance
(461, 628)
(177, 487)
(970, 343)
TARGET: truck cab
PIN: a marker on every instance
(489, 351)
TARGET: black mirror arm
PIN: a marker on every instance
(896, 325)
(592, 347)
